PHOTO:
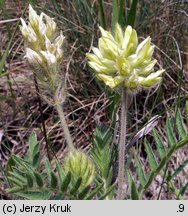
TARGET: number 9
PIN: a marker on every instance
(181, 208)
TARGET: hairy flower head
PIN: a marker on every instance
(80, 165)
(120, 60)
(43, 49)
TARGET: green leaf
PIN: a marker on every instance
(102, 15)
(180, 125)
(57, 7)
(15, 181)
(95, 191)
(36, 160)
(22, 163)
(132, 13)
(121, 18)
(115, 12)
(159, 143)
(151, 157)
(109, 190)
(17, 176)
(60, 171)
(178, 170)
(49, 170)
(59, 196)
(109, 178)
(186, 110)
(134, 191)
(170, 134)
(14, 189)
(10, 165)
(183, 190)
(53, 180)
(101, 152)
(35, 195)
(32, 143)
(48, 166)
(29, 178)
(76, 186)
(150, 180)
(132, 186)
(84, 193)
(160, 167)
(182, 143)
(65, 183)
(34, 151)
(39, 179)
(140, 171)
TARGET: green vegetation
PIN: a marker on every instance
(64, 134)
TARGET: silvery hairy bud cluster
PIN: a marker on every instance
(44, 50)
(80, 165)
(120, 60)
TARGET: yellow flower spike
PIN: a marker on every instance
(120, 58)
(44, 53)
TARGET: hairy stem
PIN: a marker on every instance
(123, 121)
(67, 135)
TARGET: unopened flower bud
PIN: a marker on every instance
(28, 32)
(33, 18)
(112, 82)
(80, 165)
(33, 58)
(152, 79)
(49, 58)
(51, 26)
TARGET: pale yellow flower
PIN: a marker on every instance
(44, 51)
(80, 165)
(120, 60)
